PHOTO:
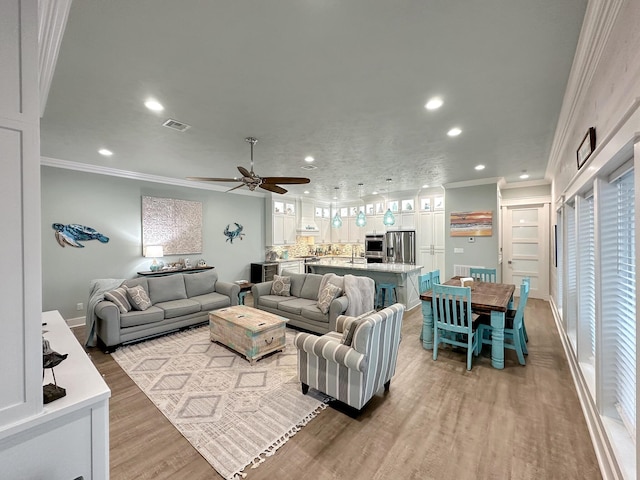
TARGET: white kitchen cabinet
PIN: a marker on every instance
(431, 236)
(289, 230)
(290, 267)
(356, 233)
(375, 225)
(323, 221)
(340, 234)
(283, 223)
(325, 230)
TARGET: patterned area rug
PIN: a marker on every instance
(234, 413)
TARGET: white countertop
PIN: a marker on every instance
(341, 263)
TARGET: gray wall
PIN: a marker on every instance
(112, 206)
(484, 251)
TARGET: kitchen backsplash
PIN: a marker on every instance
(301, 248)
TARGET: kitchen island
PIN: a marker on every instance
(405, 276)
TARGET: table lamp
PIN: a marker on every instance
(155, 252)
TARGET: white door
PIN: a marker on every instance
(526, 247)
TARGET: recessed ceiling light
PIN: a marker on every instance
(306, 192)
(153, 105)
(479, 167)
(309, 159)
(374, 193)
(434, 103)
(425, 186)
(524, 176)
(454, 132)
(105, 152)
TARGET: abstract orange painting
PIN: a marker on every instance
(471, 224)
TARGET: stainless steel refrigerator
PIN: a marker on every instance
(401, 246)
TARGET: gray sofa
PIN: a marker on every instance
(178, 301)
(301, 307)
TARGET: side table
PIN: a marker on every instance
(244, 288)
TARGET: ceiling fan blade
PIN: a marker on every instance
(212, 179)
(238, 186)
(245, 172)
(272, 188)
(286, 180)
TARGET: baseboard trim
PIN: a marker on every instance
(75, 322)
(604, 452)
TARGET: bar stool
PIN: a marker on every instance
(383, 294)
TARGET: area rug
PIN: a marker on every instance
(234, 413)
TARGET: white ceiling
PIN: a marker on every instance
(343, 81)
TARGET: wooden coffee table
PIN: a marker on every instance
(250, 332)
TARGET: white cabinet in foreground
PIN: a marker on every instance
(70, 438)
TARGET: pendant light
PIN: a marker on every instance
(388, 218)
(361, 219)
(336, 221)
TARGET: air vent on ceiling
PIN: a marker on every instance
(308, 167)
(176, 125)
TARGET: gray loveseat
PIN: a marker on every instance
(178, 301)
(301, 307)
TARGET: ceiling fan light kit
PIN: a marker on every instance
(251, 180)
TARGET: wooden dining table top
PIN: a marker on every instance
(485, 296)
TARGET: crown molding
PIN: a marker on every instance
(145, 177)
(523, 184)
(597, 26)
(52, 20)
(474, 183)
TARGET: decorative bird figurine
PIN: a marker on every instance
(51, 358)
(73, 233)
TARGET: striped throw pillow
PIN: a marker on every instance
(347, 335)
(119, 297)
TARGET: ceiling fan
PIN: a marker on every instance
(251, 180)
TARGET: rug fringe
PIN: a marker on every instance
(273, 448)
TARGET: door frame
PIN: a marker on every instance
(545, 237)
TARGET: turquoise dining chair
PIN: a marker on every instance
(452, 320)
(513, 328)
(435, 277)
(526, 280)
(483, 274)
(424, 282)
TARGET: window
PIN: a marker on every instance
(571, 304)
(586, 282)
(617, 231)
(559, 261)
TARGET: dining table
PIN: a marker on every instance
(488, 298)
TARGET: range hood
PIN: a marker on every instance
(307, 226)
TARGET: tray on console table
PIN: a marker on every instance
(161, 273)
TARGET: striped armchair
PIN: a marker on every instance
(352, 374)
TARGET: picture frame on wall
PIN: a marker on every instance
(586, 148)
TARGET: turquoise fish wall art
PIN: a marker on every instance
(73, 233)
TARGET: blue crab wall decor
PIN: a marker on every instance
(73, 233)
(237, 233)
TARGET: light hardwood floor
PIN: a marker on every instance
(438, 421)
